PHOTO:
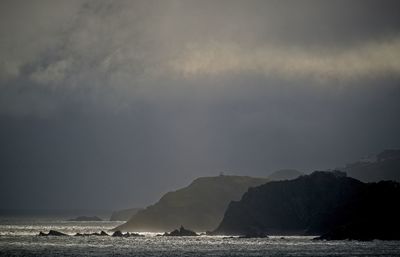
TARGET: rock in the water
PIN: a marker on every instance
(127, 234)
(52, 233)
(98, 234)
(181, 232)
(102, 233)
(117, 234)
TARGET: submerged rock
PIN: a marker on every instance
(52, 233)
(181, 232)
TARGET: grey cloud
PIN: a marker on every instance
(368, 60)
(31, 30)
(140, 39)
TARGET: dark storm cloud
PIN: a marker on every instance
(111, 103)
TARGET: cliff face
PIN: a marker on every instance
(200, 206)
(316, 204)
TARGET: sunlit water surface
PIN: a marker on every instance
(19, 238)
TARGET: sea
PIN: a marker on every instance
(19, 237)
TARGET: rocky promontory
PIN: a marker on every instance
(329, 204)
(199, 206)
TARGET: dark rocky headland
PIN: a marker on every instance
(323, 203)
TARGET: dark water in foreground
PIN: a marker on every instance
(18, 238)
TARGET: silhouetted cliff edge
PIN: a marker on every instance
(323, 203)
(286, 174)
(199, 206)
(384, 166)
(124, 215)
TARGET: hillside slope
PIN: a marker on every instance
(199, 206)
(124, 215)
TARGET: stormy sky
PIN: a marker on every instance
(109, 104)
